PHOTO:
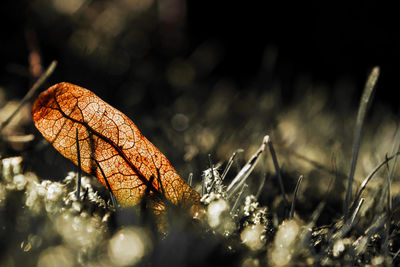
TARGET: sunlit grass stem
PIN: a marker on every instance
(368, 90)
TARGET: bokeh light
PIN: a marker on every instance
(215, 209)
(252, 236)
(128, 246)
(56, 256)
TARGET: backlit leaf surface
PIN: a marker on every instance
(133, 166)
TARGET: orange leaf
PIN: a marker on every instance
(109, 140)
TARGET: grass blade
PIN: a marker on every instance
(190, 179)
(238, 199)
(295, 196)
(79, 176)
(278, 171)
(246, 170)
(361, 243)
(349, 223)
(114, 202)
(261, 186)
(203, 185)
(212, 174)
(230, 161)
(396, 149)
(362, 110)
(370, 176)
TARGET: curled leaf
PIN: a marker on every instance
(111, 147)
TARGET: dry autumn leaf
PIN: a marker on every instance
(110, 143)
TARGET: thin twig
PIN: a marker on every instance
(295, 196)
(78, 151)
(362, 110)
(395, 255)
(30, 93)
(278, 171)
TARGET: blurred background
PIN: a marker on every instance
(202, 79)
(208, 77)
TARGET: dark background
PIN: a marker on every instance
(327, 41)
(252, 47)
